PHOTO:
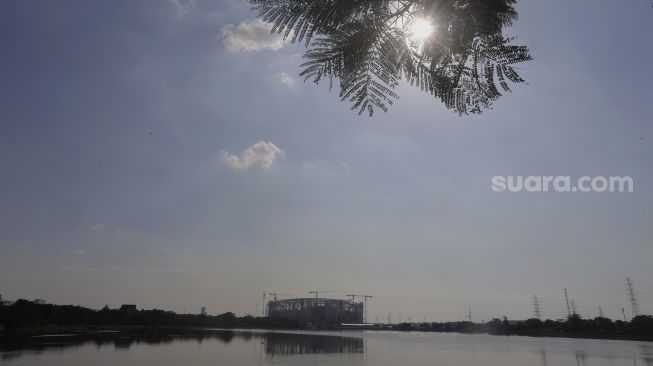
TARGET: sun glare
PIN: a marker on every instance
(421, 29)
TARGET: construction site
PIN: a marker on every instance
(318, 311)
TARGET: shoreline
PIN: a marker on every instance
(107, 330)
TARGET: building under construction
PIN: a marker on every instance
(317, 311)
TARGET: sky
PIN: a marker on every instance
(166, 154)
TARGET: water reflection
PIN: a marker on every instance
(274, 344)
(302, 344)
(646, 351)
(208, 347)
(543, 358)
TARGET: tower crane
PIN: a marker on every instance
(316, 292)
(275, 294)
(365, 297)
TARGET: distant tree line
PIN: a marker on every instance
(26, 314)
(640, 326)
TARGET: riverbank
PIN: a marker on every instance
(107, 330)
(27, 318)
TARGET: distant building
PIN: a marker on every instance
(203, 312)
(128, 308)
(320, 312)
(39, 301)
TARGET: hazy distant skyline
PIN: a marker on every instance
(166, 154)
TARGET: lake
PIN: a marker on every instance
(240, 347)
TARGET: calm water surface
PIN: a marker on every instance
(219, 347)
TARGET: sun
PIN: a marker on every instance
(421, 29)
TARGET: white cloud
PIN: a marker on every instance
(250, 36)
(183, 7)
(152, 270)
(98, 227)
(262, 154)
(121, 232)
(285, 79)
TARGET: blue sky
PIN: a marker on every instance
(165, 153)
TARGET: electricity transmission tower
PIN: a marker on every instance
(573, 308)
(632, 296)
(537, 312)
(567, 301)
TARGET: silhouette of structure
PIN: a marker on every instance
(317, 311)
(567, 300)
(632, 296)
(365, 297)
(128, 308)
(537, 313)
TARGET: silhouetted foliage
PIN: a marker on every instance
(641, 327)
(574, 324)
(641, 324)
(533, 324)
(25, 313)
(368, 46)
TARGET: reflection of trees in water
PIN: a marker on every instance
(543, 357)
(299, 344)
(275, 343)
(580, 358)
(16, 346)
(647, 353)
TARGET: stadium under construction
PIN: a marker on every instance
(317, 311)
